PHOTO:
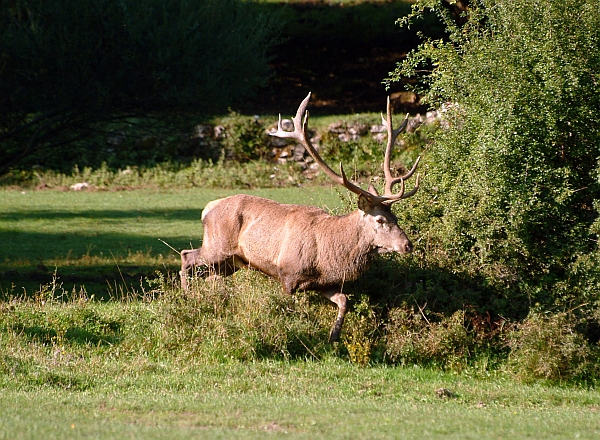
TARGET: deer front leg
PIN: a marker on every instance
(340, 299)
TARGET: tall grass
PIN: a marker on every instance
(248, 318)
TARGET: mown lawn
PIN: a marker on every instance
(326, 399)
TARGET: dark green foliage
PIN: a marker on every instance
(244, 138)
(512, 187)
(69, 67)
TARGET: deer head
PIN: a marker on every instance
(369, 201)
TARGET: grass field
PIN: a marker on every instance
(326, 399)
(201, 410)
(149, 365)
(107, 240)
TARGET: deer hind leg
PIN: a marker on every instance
(189, 258)
(340, 299)
(216, 267)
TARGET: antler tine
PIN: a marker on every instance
(390, 180)
(389, 184)
(299, 133)
(297, 122)
(300, 122)
(392, 136)
(413, 191)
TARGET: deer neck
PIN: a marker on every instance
(354, 248)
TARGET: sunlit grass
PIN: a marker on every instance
(98, 238)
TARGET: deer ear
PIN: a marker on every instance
(364, 203)
(373, 190)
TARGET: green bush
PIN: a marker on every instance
(548, 346)
(513, 176)
(69, 68)
(245, 138)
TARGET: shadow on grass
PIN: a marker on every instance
(103, 281)
(73, 335)
(105, 214)
(86, 256)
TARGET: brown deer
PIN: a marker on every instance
(304, 247)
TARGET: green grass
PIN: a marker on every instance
(100, 239)
(117, 376)
(327, 399)
(234, 360)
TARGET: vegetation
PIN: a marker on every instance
(238, 358)
(491, 327)
(238, 156)
(72, 69)
(510, 220)
(143, 109)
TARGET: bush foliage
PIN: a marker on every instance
(70, 67)
(513, 180)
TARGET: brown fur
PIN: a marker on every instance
(302, 246)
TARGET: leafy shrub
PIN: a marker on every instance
(512, 187)
(548, 346)
(245, 138)
(361, 334)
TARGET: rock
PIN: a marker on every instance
(298, 153)
(337, 127)
(287, 124)
(414, 123)
(278, 142)
(380, 128)
(347, 137)
(358, 129)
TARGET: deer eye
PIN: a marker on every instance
(380, 219)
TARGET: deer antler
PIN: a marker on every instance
(390, 181)
(300, 122)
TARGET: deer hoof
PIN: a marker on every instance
(334, 335)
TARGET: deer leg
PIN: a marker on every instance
(340, 299)
(221, 267)
(189, 258)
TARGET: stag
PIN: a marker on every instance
(304, 247)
